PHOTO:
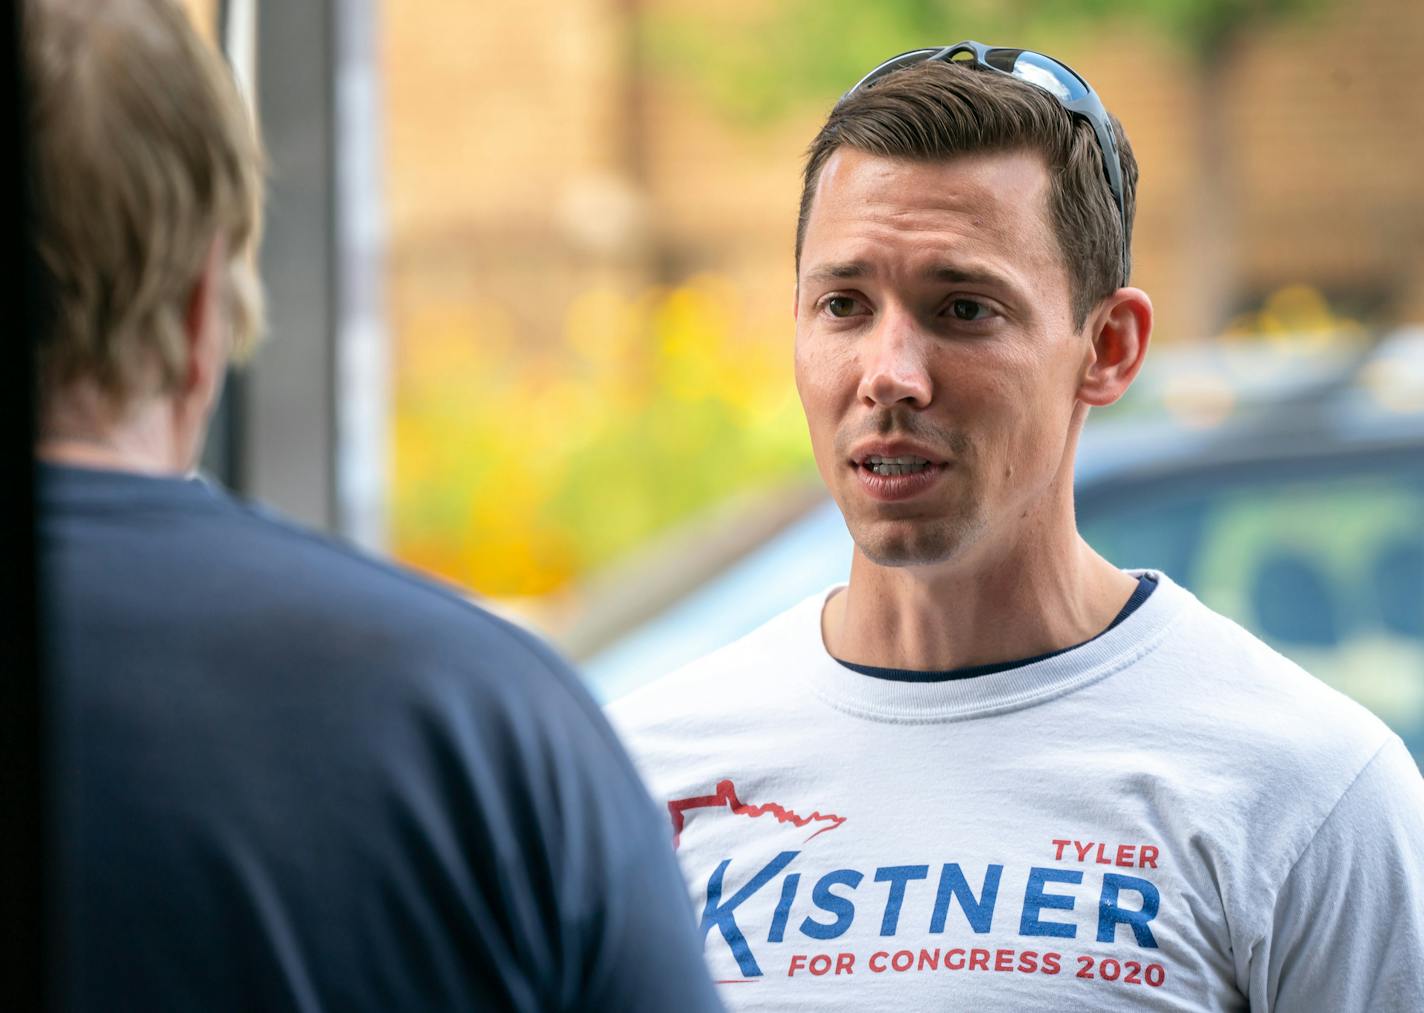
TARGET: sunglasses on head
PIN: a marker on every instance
(1058, 79)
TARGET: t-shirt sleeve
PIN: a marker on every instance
(638, 948)
(646, 956)
(1348, 930)
(642, 953)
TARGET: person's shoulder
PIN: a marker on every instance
(720, 685)
(413, 623)
(1266, 704)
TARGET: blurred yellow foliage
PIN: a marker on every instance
(518, 469)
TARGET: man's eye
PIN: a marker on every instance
(968, 309)
(841, 306)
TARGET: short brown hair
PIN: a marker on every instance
(935, 110)
(142, 153)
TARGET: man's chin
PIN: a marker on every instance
(912, 543)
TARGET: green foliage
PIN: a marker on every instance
(1205, 27)
(758, 66)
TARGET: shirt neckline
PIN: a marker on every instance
(68, 485)
(985, 695)
(1146, 584)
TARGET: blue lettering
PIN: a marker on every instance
(783, 907)
(717, 913)
(897, 876)
(1110, 916)
(952, 884)
(841, 907)
(1035, 900)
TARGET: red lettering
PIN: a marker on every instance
(978, 960)
(1155, 975)
(1083, 849)
(1085, 967)
(883, 956)
(951, 955)
(1134, 972)
(1149, 857)
(1003, 960)
(1051, 963)
(902, 965)
(1060, 845)
(798, 962)
(1028, 962)
(930, 957)
(1124, 856)
(845, 963)
(816, 960)
(1102, 858)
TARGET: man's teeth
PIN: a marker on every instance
(895, 465)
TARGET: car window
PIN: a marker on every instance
(1326, 567)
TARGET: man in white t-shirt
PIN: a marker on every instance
(994, 771)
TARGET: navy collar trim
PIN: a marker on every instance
(1146, 584)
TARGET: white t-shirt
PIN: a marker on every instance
(1169, 817)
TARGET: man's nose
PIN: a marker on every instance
(894, 370)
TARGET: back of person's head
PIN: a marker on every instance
(934, 110)
(143, 156)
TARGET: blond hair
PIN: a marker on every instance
(142, 155)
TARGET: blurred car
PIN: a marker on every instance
(1285, 490)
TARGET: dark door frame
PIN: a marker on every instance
(23, 820)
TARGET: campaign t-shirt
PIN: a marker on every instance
(290, 777)
(1168, 817)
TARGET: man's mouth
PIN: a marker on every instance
(888, 466)
(897, 476)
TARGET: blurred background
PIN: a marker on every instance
(531, 279)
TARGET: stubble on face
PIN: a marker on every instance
(908, 534)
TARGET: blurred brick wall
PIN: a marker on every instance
(527, 159)
(507, 157)
(1332, 159)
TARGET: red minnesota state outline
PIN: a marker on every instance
(726, 795)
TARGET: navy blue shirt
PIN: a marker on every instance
(291, 777)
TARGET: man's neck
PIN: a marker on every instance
(1042, 594)
(78, 431)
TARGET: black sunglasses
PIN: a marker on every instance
(1058, 79)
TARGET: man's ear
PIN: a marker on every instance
(205, 322)
(1120, 328)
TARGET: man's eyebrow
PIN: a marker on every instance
(851, 269)
(966, 276)
(840, 271)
